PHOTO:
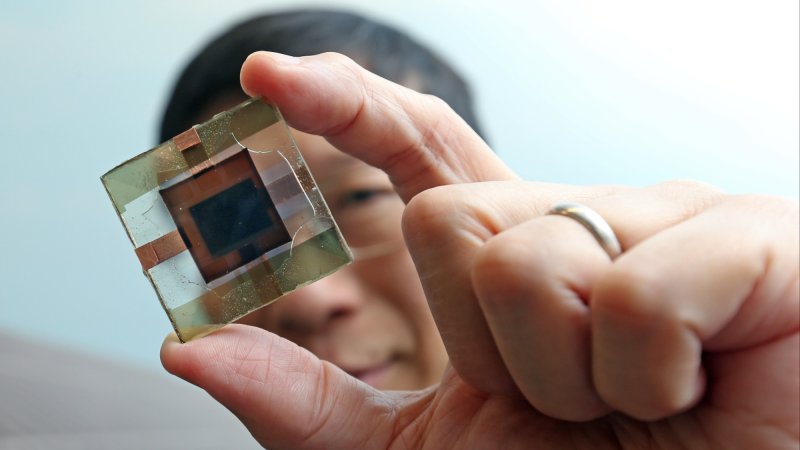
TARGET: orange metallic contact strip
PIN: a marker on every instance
(160, 250)
(186, 140)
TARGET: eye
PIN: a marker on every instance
(359, 197)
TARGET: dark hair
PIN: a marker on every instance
(214, 71)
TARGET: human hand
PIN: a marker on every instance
(690, 338)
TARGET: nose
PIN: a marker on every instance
(312, 308)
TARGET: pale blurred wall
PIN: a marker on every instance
(574, 92)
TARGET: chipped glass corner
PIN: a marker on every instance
(226, 218)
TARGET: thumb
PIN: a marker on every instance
(283, 394)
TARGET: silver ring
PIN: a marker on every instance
(591, 221)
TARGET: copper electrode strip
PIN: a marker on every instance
(194, 170)
(186, 140)
(160, 250)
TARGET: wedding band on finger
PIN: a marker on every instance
(593, 222)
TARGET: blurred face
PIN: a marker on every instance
(370, 318)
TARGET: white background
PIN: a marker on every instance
(623, 92)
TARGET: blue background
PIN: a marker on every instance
(572, 92)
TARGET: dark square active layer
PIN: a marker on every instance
(225, 216)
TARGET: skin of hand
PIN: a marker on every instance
(688, 339)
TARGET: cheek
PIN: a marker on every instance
(431, 355)
(395, 279)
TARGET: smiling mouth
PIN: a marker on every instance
(373, 375)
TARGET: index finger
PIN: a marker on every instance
(417, 139)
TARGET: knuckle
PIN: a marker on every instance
(446, 119)
(637, 331)
(516, 266)
(432, 215)
(576, 410)
(436, 103)
(564, 401)
(689, 186)
(656, 407)
(766, 204)
(695, 196)
(630, 295)
(337, 58)
(501, 273)
(349, 68)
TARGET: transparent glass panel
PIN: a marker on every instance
(226, 218)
